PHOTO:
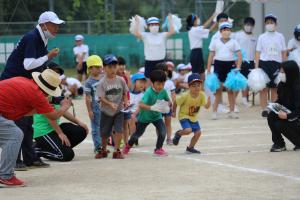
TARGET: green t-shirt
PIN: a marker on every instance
(150, 97)
(41, 125)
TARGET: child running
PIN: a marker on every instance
(112, 91)
(190, 103)
(95, 72)
(150, 112)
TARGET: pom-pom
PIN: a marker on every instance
(235, 81)
(133, 22)
(257, 80)
(212, 82)
(176, 23)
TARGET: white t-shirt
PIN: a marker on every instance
(247, 43)
(196, 35)
(135, 99)
(154, 45)
(293, 44)
(270, 45)
(224, 51)
(73, 81)
(169, 87)
(79, 50)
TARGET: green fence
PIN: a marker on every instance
(125, 45)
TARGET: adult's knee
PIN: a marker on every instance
(68, 155)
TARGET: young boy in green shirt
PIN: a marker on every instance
(151, 108)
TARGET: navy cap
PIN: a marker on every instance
(110, 59)
(194, 77)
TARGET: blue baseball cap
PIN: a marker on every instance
(153, 20)
(137, 76)
(224, 25)
(110, 59)
(194, 77)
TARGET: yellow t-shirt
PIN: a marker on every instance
(189, 106)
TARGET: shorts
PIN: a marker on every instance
(196, 60)
(169, 114)
(127, 116)
(272, 69)
(109, 123)
(150, 66)
(222, 68)
(83, 69)
(186, 123)
(246, 67)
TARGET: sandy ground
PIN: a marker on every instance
(235, 164)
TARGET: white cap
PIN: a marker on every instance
(79, 37)
(49, 16)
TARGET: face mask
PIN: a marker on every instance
(198, 22)
(226, 34)
(270, 27)
(47, 34)
(154, 29)
(248, 29)
(282, 77)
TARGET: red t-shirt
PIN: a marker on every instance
(19, 96)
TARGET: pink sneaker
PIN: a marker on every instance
(160, 152)
(12, 182)
(126, 149)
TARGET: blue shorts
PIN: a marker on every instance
(186, 123)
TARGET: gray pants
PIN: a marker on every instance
(10, 141)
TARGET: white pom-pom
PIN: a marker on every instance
(176, 23)
(257, 80)
(133, 22)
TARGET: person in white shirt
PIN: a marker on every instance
(81, 52)
(223, 51)
(154, 42)
(196, 35)
(247, 41)
(222, 17)
(294, 43)
(270, 52)
(72, 86)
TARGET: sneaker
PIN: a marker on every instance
(38, 164)
(126, 149)
(169, 142)
(265, 113)
(233, 115)
(160, 152)
(192, 150)
(176, 138)
(222, 109)
(236, 109)
(297, 148)
(245, 102)
(118, 155)
(214, 116)
(20, 166)
(12, 182)
(101, 154)
(277, 148)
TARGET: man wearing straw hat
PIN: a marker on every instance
(29, 55)
(24, 97)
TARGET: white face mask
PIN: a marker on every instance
(154, 29)
(270, 27)
(198, 22)
(47, 34)
(282, 77)
(248, 29)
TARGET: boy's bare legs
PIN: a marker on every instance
(195, 139)
(263, 95)
(273, 94)
(169, 127)
(231, 100)
(117, 139)
(218, 98)
(125, 131)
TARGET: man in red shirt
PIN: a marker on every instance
(21, 97)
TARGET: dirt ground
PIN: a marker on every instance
(235, 164)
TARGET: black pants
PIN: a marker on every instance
(291, 130)
(196, 60)
(28, 153)
(141, 127)
(50, 146)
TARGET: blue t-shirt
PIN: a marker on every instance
(30, 46)
(90, 88)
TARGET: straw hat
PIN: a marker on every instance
(48, 81)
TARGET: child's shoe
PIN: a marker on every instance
(160, 152)
(233, 115)
(236, 109)
(214, 116)
(101, 154)
(176, 138)
(126, 149)
(118, 155)
(192, 150)
(12, 182)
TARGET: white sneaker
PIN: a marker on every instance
(222, 109)
(245, 102)
(236, 109)
(233, 115)
(214, 116)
